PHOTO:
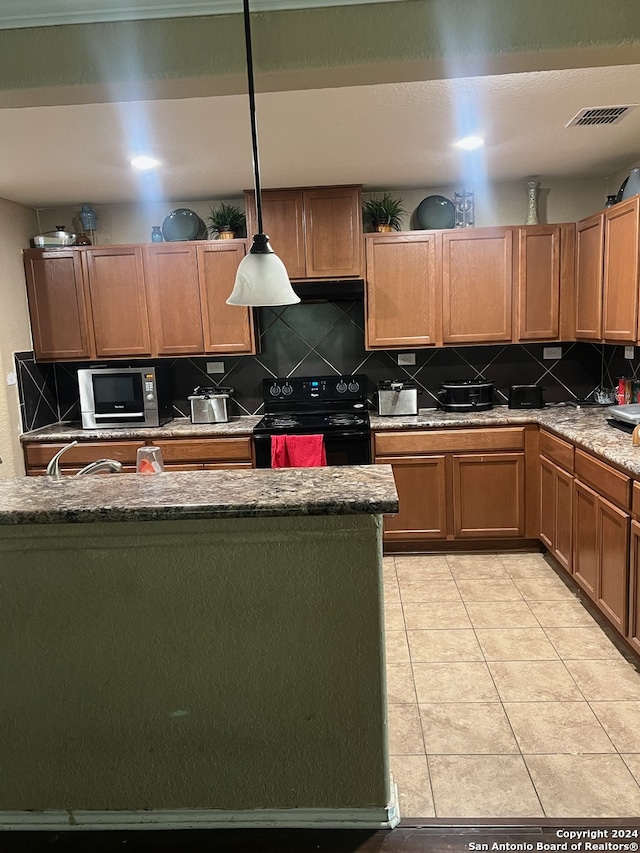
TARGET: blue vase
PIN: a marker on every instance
(632, 186)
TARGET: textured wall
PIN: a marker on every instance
(17, 224)
(229, 664)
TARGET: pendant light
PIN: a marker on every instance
(261, 279)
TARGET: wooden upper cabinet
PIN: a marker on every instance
(477, 276)
(620, 309)
(401, 290)
(589, 269)
(57, 304)
(317, 232)
(283, 222)
(227, 328)
(174, 299)
(333, 232)
(118, 301)
(538, 283)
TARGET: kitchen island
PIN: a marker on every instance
(194, 649)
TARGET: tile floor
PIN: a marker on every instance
(506, 697)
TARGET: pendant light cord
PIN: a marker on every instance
(252, 113)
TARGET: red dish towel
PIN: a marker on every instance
(297, 451)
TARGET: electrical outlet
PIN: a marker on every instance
(628, 352)
(552, 352)
(215, 367)
(12, 379)
(406, 358)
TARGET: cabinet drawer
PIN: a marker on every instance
(559, 451)
(605, 480)
(453, 440)
(39, 455)
(203, 450)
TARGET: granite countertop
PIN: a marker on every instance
(177, 428)
(585, 426)
(263, 492)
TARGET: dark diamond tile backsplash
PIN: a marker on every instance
(328, 338)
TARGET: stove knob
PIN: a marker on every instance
(274, 390)
(341, 387)
(287, 389)
(354, 386)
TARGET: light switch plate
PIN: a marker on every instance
(406, 358)
(552, 352)
(628, 352)
(215, 367)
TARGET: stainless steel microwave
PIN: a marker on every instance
(116, 397)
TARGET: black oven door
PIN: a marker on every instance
(353, 448)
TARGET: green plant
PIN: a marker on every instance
(226, 217)
(384, 211)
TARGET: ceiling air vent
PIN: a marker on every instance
(601, 115)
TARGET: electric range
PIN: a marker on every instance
(332, 406)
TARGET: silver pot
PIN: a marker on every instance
(210, 405)
(397, 398)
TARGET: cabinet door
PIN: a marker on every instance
(283, 221)
(118, 301)
(401, 290)
(589, 268)
(57, 304)
(633, 631)
(538, 280)
(333, 232)
(477, 277)
(620, 311)
(585, 539)
(548, 506)
(488, 495)
(613, 564)
(228, 329)
(562, 550)
(174, 299)
(420, 482)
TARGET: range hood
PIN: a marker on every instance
(332, 290)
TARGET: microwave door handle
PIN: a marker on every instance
(121, 415)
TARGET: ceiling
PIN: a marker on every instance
(71, 144)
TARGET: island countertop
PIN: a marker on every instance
(262, 492)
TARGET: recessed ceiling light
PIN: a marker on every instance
(144, 162)
(469, 142)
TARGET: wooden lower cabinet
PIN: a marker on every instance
(633, 631)
(601, 553)
(421, 486)
(488, 495)
(178, 454)
(556, 511)
(449, 492)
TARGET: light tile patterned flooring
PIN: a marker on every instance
(505, 696)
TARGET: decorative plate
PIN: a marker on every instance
(436, 211)
(181, 224)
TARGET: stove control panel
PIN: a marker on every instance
(315, 389)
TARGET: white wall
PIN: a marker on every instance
(497, 204)
(17, 224)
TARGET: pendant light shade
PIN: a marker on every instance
(262, 278)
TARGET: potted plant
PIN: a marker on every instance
(226, 221)
(384, 214)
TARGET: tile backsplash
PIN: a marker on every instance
(328, 338)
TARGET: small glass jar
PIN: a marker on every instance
(156, 234)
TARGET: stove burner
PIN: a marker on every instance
(342, 420)
(283, 421)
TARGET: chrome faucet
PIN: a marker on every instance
(110, 465)
(53, 468)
